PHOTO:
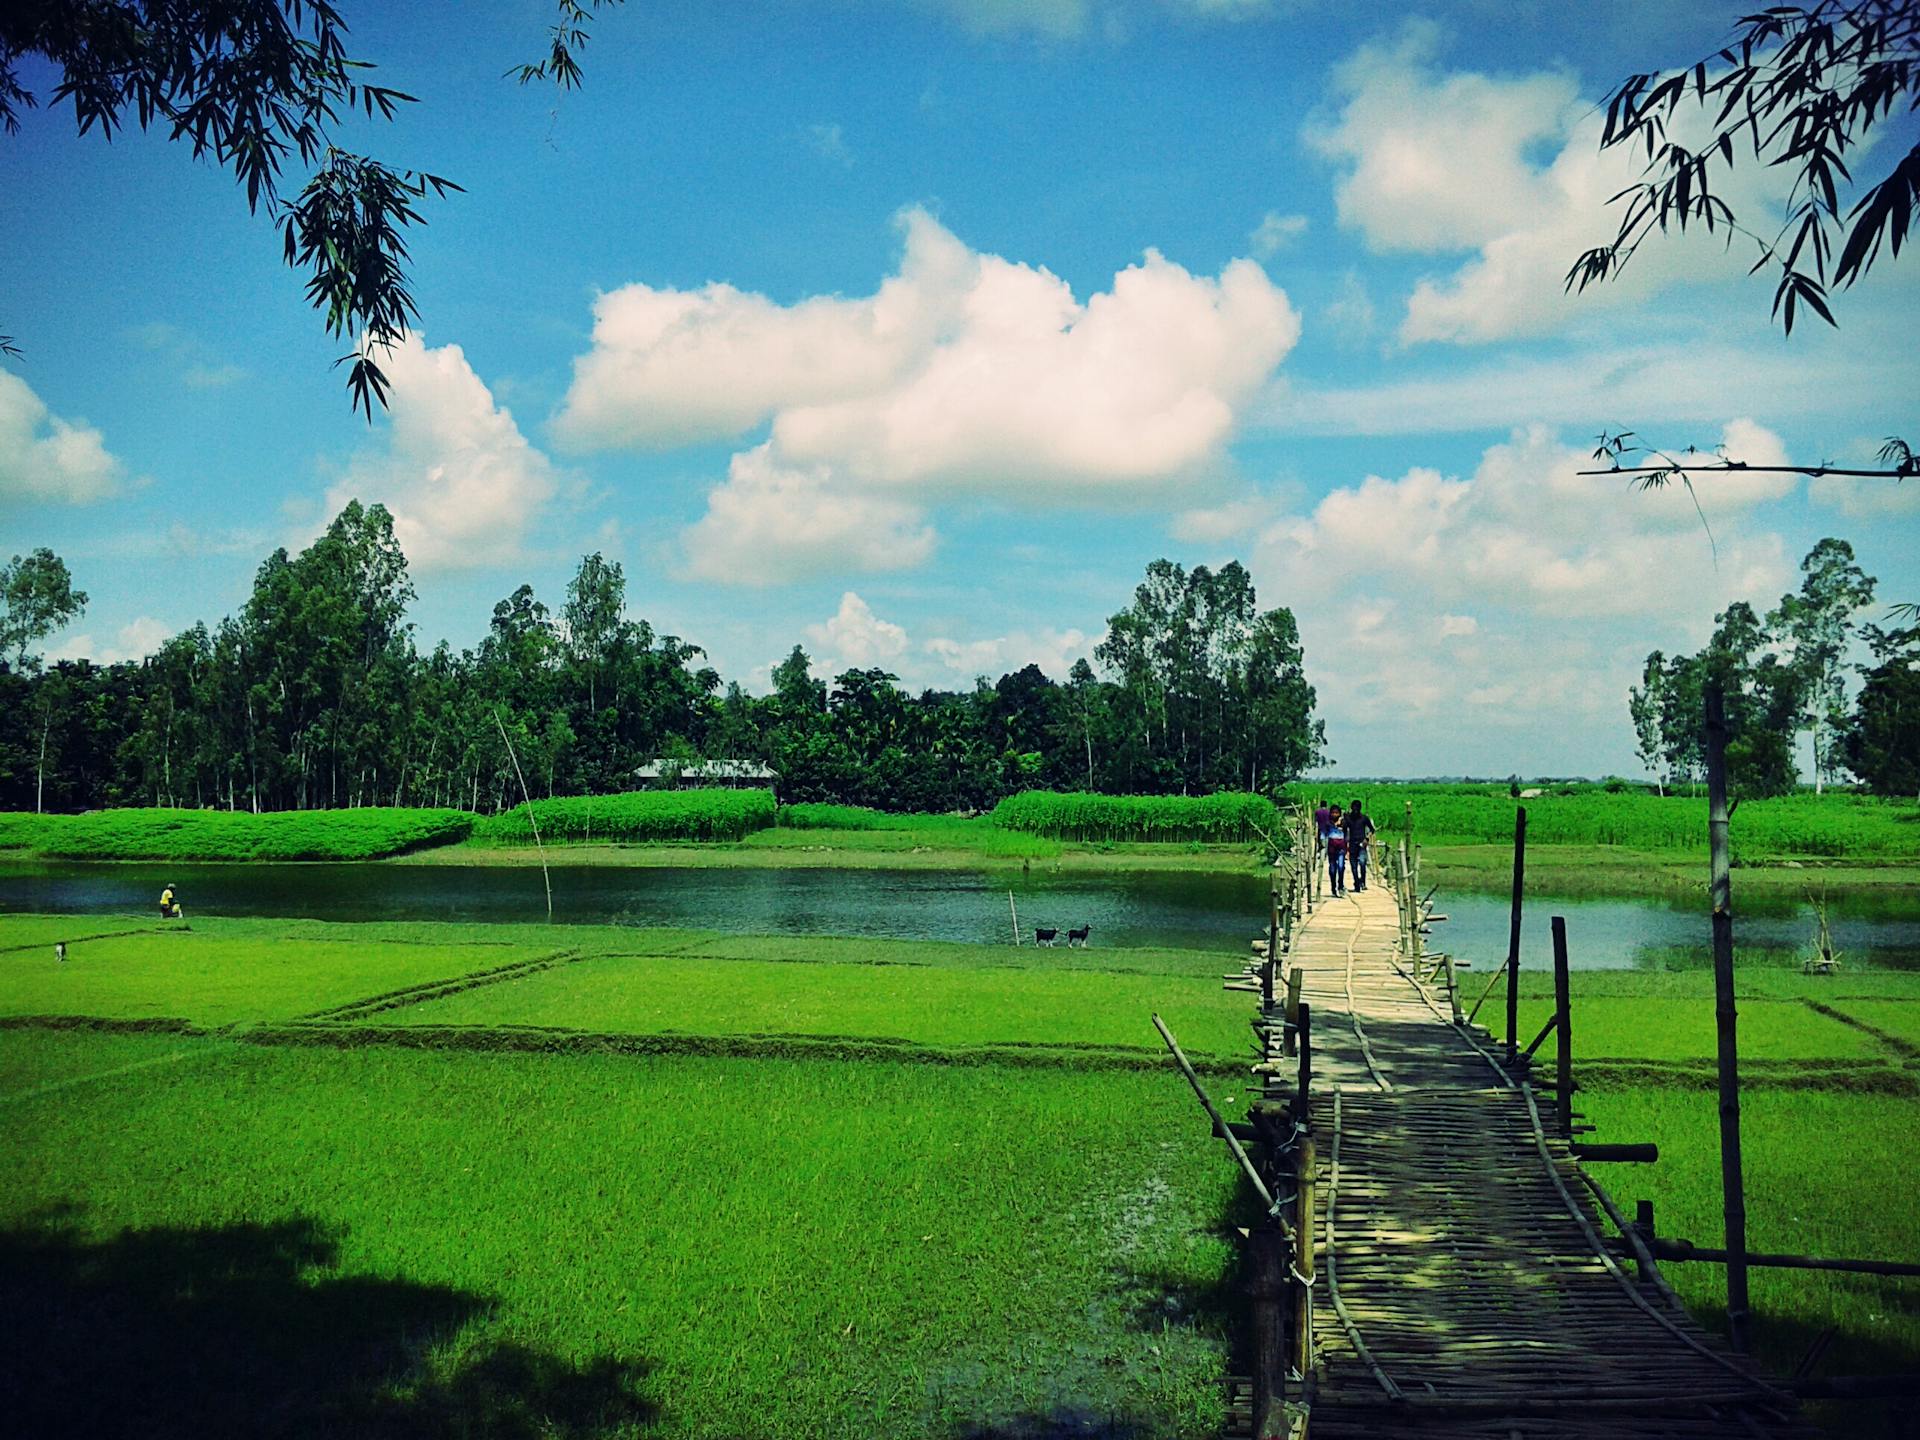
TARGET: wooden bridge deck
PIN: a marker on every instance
(1462, 1285)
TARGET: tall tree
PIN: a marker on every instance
(1646, 703)
(36, 599)
(1816, 625)
(1882, 744)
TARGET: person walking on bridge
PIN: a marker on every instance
(1359, 834)
(1322, 822)
(1336, 854)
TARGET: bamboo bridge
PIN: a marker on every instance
(1435, 1258)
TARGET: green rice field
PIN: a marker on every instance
(470, 1179)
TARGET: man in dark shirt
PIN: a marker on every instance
(1359, 834)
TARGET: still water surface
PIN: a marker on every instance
(1124, 909)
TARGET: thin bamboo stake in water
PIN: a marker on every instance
(1513, 933)
(1015, 909)
(545, 878)
(1733, 1187)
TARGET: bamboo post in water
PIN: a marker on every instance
(532, 820)
(1513, 933)
(1015, 910)
(1733, 1188)
(1563, 1020)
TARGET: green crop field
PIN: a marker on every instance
(1230, 818)
(229, 835)
(385, 1242)
(944, 1008)
(638, 816)
(1837, 825)
(470, 1179)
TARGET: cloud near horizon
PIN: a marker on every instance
(1521, 596)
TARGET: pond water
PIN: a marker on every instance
(1124, 908)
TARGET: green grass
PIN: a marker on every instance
(212, 978)
(1228, 818)
(636, 817)
(942, 1008)
(838, 950)
(1897, 1018)
(1827, 1173)
(810, 815)
(1645, 1028)
(416, 1243)
(363, 834)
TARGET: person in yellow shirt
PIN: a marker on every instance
(169, 902)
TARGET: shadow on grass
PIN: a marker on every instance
(239, 1330)
(1064, 1424)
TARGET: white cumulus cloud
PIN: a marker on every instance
(1523, 592)
(1507, 167)
(464, 485)
(963, 375)
(855, 636)
(44, 456)
(771, 523)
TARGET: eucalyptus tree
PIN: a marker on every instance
(37, 598)
(1816, 626)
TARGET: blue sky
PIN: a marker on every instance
(910, 330)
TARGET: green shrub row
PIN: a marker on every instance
(637, 816)
(816, 816)
(184, 835)
(1229, 818)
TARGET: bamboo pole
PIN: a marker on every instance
(1219, 1123)
(1686, 1250)
(532, 820)
(1563, 1019)
(1303, 1229)
(1733, 1189)
(1015, 909)
(1513, 932)
(1267, 1288)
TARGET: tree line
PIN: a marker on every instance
(1784, 674)
(316, 695)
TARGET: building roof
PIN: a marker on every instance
(705, 770)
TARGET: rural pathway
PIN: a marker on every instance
(1463, 1287)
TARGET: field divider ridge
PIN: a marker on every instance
(536, 1039)
(438, 989)
(1905, 1049)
